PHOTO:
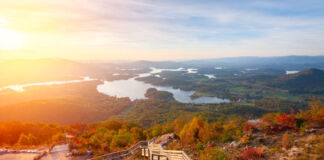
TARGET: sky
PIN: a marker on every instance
(99, 30)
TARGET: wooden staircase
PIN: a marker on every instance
(158, 153)
(148, 149)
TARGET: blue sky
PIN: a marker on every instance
(166, 29)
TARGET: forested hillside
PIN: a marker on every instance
(307, 81)
(293, 135)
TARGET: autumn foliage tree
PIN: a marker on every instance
(195, 131)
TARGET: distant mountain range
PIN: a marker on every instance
(284, 62)
(39, 70)
(42, 70)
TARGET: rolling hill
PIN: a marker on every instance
(306, 81)
(22, 71)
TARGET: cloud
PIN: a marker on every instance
(180, 26)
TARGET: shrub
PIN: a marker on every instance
(286, 121)
(245, 140)
(248, 128)
(315, 116)
(320, 149)
(286, 141)
(200, 146)
(277, 122)
(225, 137)
(252, 154)
(213, 154)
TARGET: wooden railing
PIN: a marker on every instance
(156, 150)
(122, 154)
(176, 155)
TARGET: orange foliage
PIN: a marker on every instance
(252, 154)
(248, 128)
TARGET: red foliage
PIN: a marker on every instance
(252, 154)
(211, 145)
(286, 121)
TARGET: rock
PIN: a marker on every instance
(165, 139)
(294, 151)
(235, 144)
(294, 148)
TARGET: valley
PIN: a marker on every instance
(143, 97)
(161, 80)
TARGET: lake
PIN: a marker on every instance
(291, 72)
(20, 88)
(136, 89)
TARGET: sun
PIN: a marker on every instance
(10, 39)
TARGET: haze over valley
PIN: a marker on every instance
(240, 81)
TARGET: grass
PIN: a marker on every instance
(237, 89)
(202, 94)
(248, 104)
(282, 96)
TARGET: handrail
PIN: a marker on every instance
(183, 154)
(169, 153)
(123, 153)
(155, 149)
(150, 141)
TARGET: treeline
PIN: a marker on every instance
(156, 111)
(105, 137)
(66, 110)
(20, 134)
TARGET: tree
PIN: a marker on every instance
(23, 140)
(194, 131)
(27, 139)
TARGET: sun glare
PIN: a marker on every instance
(10, 39)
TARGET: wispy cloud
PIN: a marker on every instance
(147, 29)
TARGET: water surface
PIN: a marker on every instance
(136, 89)
(20, 88)
(291, 72)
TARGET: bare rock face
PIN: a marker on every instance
(165, 139)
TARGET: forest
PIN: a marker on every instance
(201, 138)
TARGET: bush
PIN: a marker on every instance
(315, 116)
(252, 154)
(286, 141)
(277, 122)
(200, 146)
(213, 154)
(248, 128)
(286, 121)
(225, 137)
